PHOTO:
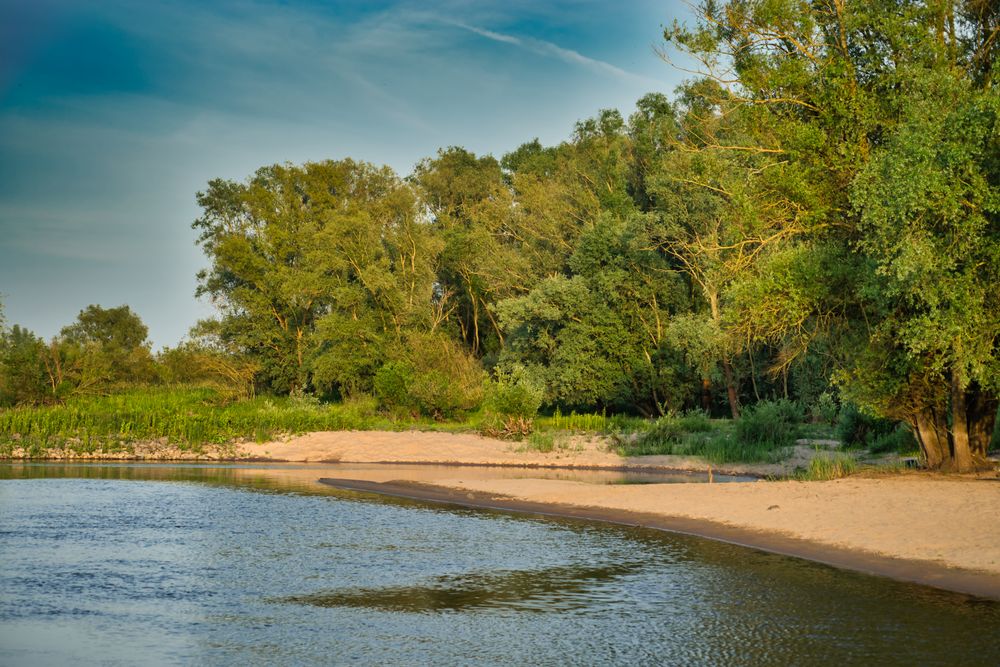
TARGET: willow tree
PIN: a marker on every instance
(472, 209)
(317, 269)
(887, 112)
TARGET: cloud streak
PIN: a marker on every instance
(550, 49)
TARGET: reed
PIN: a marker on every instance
(187, 417)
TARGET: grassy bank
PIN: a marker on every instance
(192, 418)
(186, 417)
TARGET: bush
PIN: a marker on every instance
(727, 448)
(392, 384)
(899, 441)
(694, 421)
(769, 425)
(663, 437)
(512, 400)
(433, 377)
(826, 410)
(857, 429)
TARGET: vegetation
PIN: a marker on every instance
(823, 468)
(188, 418)
(810, 226)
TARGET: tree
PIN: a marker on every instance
(474, 214)
(304, 258)
(23, 379)
(104, 345)
(886, 114)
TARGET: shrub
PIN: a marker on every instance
(663, 437)
(392, 384)
(433, 377)
(695, 421)
(826, 410)
(857, 429)
(769, 425)
(899, 441)
(512, 400)
(541, 442)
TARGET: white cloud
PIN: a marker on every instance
(546, 48)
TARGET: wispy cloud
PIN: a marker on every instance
(545, 48)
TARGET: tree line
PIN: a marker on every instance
(813, 214)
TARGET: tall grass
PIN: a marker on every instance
(694, 434)
(186, 417)
(823, 468)
(590, 422)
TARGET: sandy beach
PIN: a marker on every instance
(940, 530)
(895, 524)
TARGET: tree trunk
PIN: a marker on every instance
(932, 433)
(981, 409)
(706, 395)
(961, 452)
(734, 405)
(963, 447)
(727, 368)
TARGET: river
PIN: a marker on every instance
(118, 564)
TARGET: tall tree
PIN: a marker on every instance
(317, 270)
(846, 96)
(108, 344)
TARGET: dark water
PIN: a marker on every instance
(187, 565)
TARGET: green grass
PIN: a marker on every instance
(187, 417)
(193, 417)
(824, 468)
(694, 434)
(590, 423)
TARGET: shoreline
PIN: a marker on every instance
(916, 526)
(975, 583)
(581, 452)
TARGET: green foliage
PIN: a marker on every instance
(23, 376)
(110, 345)
(392, 384)
(433, 377)
(318, 271)
(513, 393)
(856, 428)
(825, 410)
(541, 442)
(187, 417)
(695, 435)
(512, 400)
(769, 424)
(883, 157)
(898, 441)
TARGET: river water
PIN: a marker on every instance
(238, 565)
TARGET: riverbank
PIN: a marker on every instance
(961, 560)
(938, 530)
(424, 447)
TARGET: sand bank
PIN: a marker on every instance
(938, 530)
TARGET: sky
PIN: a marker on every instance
(115, 113)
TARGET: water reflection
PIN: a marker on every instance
(303, 476)
(557, 589)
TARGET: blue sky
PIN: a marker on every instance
(113, 114)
